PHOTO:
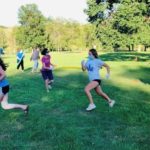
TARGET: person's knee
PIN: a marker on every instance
(86, 90)
(3, 105)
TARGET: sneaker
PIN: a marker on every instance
(111, 104)
(26, 111)
(91, 107)
(50, 87)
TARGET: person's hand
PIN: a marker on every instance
(83, 63)
(107, 76)
(51, 67)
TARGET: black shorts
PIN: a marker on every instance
(47, 74)
(4, 90)
(98, 80)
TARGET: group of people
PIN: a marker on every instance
(35, 56)
(92, 65)
(47, 66)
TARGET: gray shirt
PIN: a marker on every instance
(35, 55)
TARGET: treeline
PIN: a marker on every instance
(114, 25)
(56, 34)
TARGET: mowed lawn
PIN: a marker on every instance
(58, 120)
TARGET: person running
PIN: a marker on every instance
(35, 57)
(4, 89)
(93, 66)
(20, 59)
(46, 70)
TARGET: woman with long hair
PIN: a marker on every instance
(93, 66)
(4, 89)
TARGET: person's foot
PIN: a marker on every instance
(111, 103)
(26, 111)
(91, 107)
(47, 90)
(49, 86)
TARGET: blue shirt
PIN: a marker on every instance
(4, 82)
(20, 55)
(93, 66)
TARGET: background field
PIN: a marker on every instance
(58, 120)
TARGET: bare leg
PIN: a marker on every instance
(88, 88)
(6, 105)
(46, 85)
(101, 93)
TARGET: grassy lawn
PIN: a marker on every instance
(58, 120)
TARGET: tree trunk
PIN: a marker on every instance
(145, 48)
(132, 47)
(129, 47)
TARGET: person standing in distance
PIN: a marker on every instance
(20, 59)
(35, 57)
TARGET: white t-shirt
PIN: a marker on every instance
(93, 66)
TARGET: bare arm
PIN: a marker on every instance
(107, 68)
(31, 56)
(2, 74)
(45, 66)
(83, 66)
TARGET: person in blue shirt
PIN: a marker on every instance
(20, 59)
(4, 89)
(93, 65)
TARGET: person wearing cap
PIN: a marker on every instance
(46, 70)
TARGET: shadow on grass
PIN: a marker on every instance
(128, 56)
(141, 73)
(58, 119)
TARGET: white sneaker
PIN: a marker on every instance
(91, 107)
(50, 87)
(111, 104)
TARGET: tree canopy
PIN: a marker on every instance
(120, 23)
(32, 29)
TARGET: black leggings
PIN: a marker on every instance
(21, 64)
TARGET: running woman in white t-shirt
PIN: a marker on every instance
(93, 65)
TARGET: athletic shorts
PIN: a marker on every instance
(4, 90)
(98, 80)
(47, 74)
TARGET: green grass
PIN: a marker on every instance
(58, 120)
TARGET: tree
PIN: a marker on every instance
(32, 30)
(68, 35)
(3, 39)
(119, 23)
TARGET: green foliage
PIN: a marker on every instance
(3, 38)
(64, 35)
(32, 29)
(120, 23)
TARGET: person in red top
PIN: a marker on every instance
(46, 70)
